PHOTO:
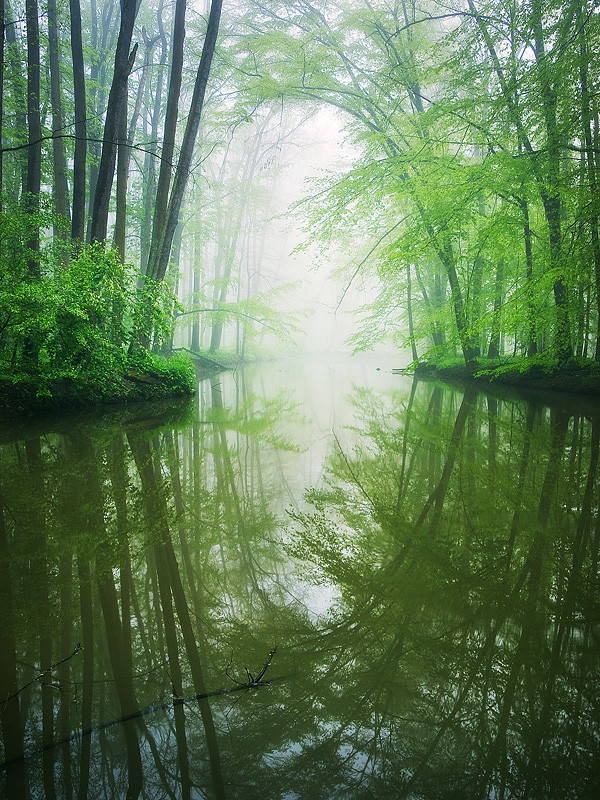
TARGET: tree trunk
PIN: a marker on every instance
(195, 342)
(34, 151)
(528, 238)
(189, 140)
(469, 348)
(1, 96)
(437, 332)
(168, 149)
(494, 348)
(217, 328)
(18, 92)
(149, 190)
(117, 100)
(126, 138)
(61, 202)
(97, 94)
(551, 194)
(411, 328)
(119, 232)
(79, 157)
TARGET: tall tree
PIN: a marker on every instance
(117, 104)
(80, 128)
(170, 129)
(61, 201)
(158, 261)
(124, 150)
(547, 171)
(2, 39)
(34, 122)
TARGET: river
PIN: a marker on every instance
(312, 580)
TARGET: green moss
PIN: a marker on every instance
(146, 377)
(577, 376)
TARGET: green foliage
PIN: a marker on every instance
(153, 310)
(465, 133)
(542, 371)
(174, 375)
(74, 316)
(78, 319)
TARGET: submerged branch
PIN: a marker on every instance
(41, 674)
(253, 683)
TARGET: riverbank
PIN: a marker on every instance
(27, 393)
(540, 373)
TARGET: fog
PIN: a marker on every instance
(313, 286)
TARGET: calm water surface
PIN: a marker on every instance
(311, 581)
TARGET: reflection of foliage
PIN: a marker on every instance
(458, 658)
(456, 602)
(258, 424)
(337, 545)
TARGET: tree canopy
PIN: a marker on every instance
(470, 199)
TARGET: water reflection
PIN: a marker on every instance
(456, 534)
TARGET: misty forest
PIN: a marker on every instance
(299, 381)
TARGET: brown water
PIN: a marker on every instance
(412, 568)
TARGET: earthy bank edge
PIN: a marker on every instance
(579, 377)
(29, 394)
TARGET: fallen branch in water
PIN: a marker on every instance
(252, 681)
(142, 712)
(41, 675)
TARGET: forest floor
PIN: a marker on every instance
(577, 376)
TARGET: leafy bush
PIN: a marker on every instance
(66, 332)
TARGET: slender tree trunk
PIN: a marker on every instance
(126, 138)
(166, 346)
(528, 239)
(411, 328)
(168, 148)
(101, 45)
(437, 333)
(551, 196)
(217, 328)
(18, 92)
(2, 39)
(121, 192)
(34, 151)
(117, 102)
(94, 127)
(474, 291)
(61, 202)
(195, 342)
(189, 139)
(79, 157)
(149, 192)
(494, 347)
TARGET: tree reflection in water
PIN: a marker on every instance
(458, 534)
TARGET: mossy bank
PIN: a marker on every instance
(576, 376)
(26, 393)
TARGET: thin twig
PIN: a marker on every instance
(41, 674)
